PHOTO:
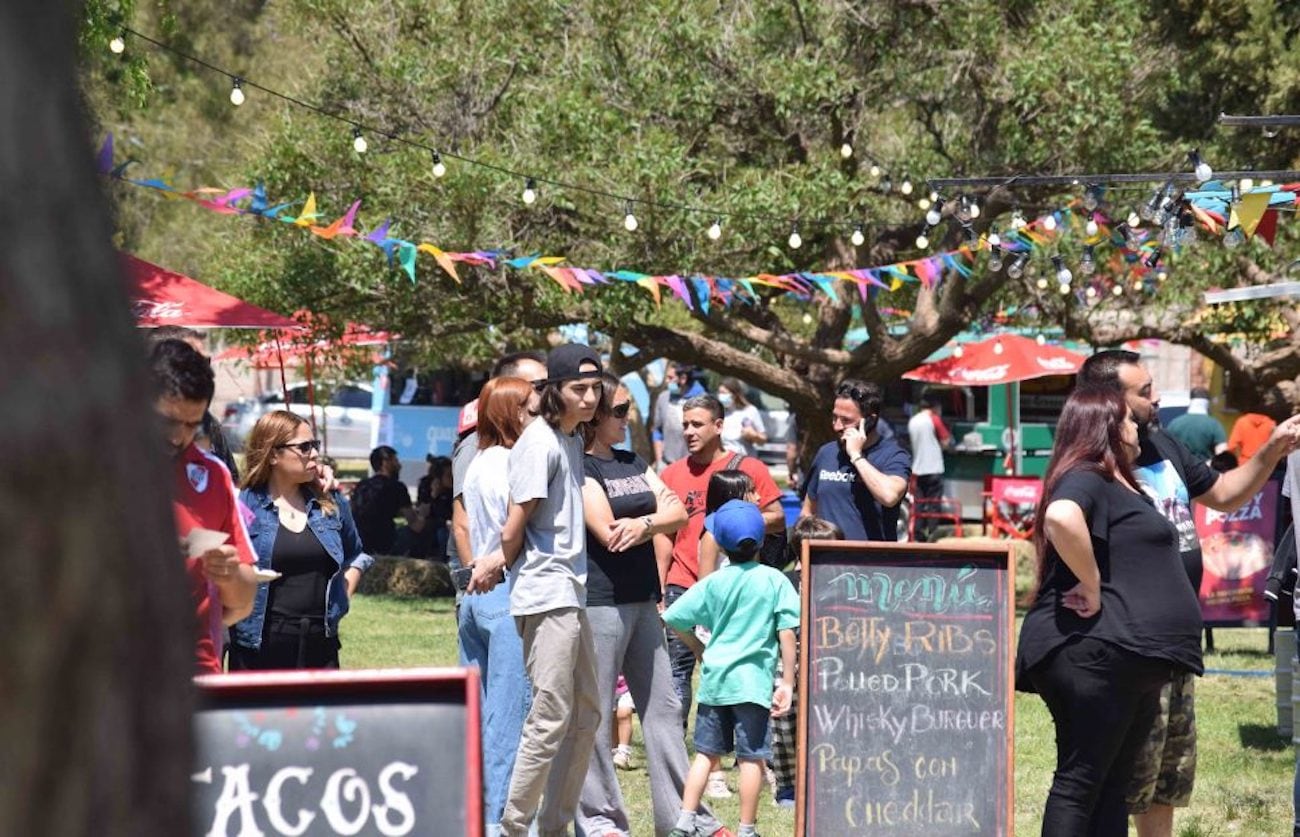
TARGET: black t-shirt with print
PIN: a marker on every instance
(630, 576)
(1172, 477)
(1147, 606)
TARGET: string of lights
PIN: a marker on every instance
(240, 85)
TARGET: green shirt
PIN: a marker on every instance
(1199, 433)
(743, 606)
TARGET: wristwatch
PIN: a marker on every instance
(648, 523)
(855, 460)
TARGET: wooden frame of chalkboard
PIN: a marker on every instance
(297, 717)
(927, 620)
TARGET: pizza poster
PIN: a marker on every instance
(1237, 552)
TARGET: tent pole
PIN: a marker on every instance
(284, 383)
(311, 397)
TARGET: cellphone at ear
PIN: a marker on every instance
(862, 426)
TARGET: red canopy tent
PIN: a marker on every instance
(1003, 359)
(160, 297)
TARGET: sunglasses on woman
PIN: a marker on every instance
(304, 448)
(620, 411)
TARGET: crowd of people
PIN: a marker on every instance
(586, 572)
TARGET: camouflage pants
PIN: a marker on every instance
(1165, 768)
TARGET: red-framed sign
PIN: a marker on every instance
(379, 752)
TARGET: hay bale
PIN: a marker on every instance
(406, 577)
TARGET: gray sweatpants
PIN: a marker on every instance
(560, 729)
(630, 638)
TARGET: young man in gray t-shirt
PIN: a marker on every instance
(544, 549)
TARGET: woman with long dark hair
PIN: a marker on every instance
(1113, 615)
(306, 535)
(625, 505)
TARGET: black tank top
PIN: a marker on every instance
(307, 569)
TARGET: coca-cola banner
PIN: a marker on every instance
(1015, 502)
(1237, 550)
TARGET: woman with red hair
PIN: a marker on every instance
(1112, 618)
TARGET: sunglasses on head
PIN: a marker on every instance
(620, 411)
(305, 448)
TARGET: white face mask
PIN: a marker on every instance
(725, 399)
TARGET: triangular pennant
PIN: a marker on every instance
(257, 205)
(523, 261)
(406, 257)
(444, 261)
(308, 213)
(379, 233)
(104, 160)
(649, 283)
(560, 275)
(678, 288)
(1251, 209)
(341, 226)
(703, 293)
(1267, 228)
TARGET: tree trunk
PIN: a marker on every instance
(98, 645)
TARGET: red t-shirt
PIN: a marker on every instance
(691, 483)
(203, 496)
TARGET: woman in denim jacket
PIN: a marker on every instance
(307, 536)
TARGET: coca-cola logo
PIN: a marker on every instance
(990, 373)
(145, 309)
(1056, 363)
(1020, 493)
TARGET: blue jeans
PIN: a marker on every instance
(680, 657)
(489, 640)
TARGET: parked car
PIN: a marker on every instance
(346, 425)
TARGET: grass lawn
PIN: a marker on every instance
(1244, 774)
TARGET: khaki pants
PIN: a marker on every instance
(559, 733)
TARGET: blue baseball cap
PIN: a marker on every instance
(735, 522)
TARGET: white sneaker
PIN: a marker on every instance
(717, 786)
(623, 758)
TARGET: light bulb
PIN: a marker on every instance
(1246, 184)
(359, 141)
(715, 229)
(1091, 197)
(117, 45)
(1041, 283)
(1090, 292)
(906, 187)
(995, 240)
(439, 169)
(1087, 262)
(924, 203)
(795, 241)
(922, 241)
(1117, 290)
(934, 216)
(236, 92)
(1063, 274)
(886, 185)
(1040, 340)
(1063, 289)
(1162, 275)
(934, 197)
(1049, 222)
(974, 208)
(1201, 168)
(995, 259)
(530, 191)
(874, 171)
(629, 221)
(1017, 219)
(858, 238)
(846, 151)
(963, 210)
(1134, 219)
(1017, 267)
(1137, 286)
(1091, 227)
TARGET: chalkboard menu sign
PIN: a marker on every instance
(323, 753)
(906, 690)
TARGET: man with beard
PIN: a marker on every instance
(858, 481)
(1173, 478)
(221, 578)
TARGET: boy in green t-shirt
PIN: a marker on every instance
(750, 610)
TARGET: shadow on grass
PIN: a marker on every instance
(1261, 737)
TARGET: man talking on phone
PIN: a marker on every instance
(222, 583)
(858, 481)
